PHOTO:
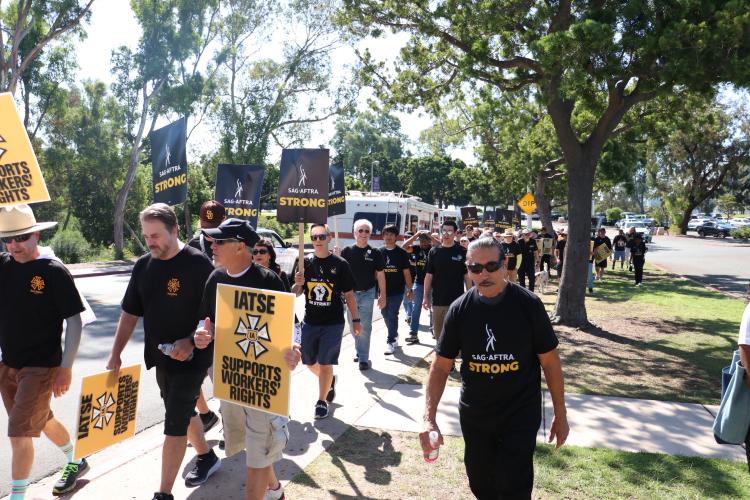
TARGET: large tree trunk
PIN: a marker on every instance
(570, 308)
(543, 205)
(686, 217)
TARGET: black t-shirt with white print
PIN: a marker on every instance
(620, 242)
(363, 262)
(35, 298)
(326, 280)
(418, 258)
(447, 265)
(499, 340)
(168, 295)
(396, 260)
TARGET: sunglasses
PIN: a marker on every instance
(17, 239)
(449, 233)
(491, 267)
(221, 242)
(260, 251)
(319, 237)
(365, 231)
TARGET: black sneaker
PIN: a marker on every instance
(209, 420)
(222, 444)
(162, 496)
(205, 465)
(408, 320)
(70, 475)
(364, 366)
(332, 391)
(321, 410)
(412, 339)
(591, 290)
(356, 358)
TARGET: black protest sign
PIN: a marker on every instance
(469, 216)
(303, 186)
(489, 218)
(238, 188)
(503, 219)
(169, 161)
(336, 190)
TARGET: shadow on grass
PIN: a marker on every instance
(619, 287)
(646, 471)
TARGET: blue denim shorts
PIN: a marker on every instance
(321, 344)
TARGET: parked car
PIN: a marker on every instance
(286, 254)
(640, 227)
(711, 228)
(694, 223)
(739, 222)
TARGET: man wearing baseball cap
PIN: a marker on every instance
(36, 296)
(212, 214)
(262, 435)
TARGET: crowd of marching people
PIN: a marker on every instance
(473, 279)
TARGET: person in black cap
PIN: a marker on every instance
(262, 435)
(166, 289)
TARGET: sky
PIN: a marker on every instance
(112, 24)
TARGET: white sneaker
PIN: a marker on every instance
(275, 494)
(390, 347)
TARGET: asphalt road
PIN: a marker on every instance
(104, 293)
(721, 263)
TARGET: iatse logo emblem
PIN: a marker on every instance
(173, 286)
(37, 285)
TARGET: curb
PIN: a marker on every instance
(698, 282)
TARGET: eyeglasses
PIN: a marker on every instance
(261, 251)
(18, 239)
(318, 237)
(365, 231)
(491, 267)
(448, 233)
(230, 240)
(464, 241)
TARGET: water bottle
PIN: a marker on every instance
(168, 348)
(434, 436)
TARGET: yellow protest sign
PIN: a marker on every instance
(254, 329)
(21, 179)
(527, 203)
(106, 410)
(601, 253)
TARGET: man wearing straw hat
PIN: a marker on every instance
(36, 296)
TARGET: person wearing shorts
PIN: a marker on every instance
(620, 245)
(511, 250)
(262, 435)
(36, 295)
(166, 289)
(325, 280)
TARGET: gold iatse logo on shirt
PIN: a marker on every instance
(37, 285)
(173, 286)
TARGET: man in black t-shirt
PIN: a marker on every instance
(418, 258)
(36, 296)
(366, 264)
(562, 240)
(166, 289)
(546, 258)
(511, 250)
(397, 278)
(445, 276)
(601, 239)
(620, 244)
(638, 251)
(504, 335)
(262, 435)
(327, 280)
(529, 252)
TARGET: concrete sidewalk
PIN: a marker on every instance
(131, 469)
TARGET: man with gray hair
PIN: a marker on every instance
(504, 335)
(367, 266)
(166, 289)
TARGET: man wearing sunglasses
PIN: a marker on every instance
(445, 276)
(166, 289)
(262, 435)
(36, 296)
(504, 335)
(367, 265)
(326, 279)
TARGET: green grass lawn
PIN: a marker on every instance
(375, 464)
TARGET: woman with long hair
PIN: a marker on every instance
(264, 255)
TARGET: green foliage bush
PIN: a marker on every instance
(614, 214)
(70, 246)
(285, 230)
(741, 233)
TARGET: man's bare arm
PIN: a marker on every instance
(553, 375)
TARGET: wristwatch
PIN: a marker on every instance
(356, 320)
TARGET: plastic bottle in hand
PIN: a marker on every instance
(434, 443)
(168, 348)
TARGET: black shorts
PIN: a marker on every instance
(499, 460)
(179, 391)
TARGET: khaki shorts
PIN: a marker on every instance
(26, 395)
(266, 435)
(438, 319)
